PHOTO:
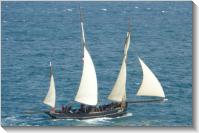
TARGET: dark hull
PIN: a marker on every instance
(107, 113)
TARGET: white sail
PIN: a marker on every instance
(87, 93)
(118, 92)
(51, 95)
(150, 85)
(82, 31)
(127, 43)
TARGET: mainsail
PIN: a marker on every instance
(150, 85)
(51, 95)
(87, 93)
(118, 92)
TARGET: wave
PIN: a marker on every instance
(9, 121)
(103, 9)
(13, 120)
(98, 120)
(137, 83)
(126, 115)
(105, 119)
(10, 118)
(163, 11)
(136, 7)
(70, 9)
(165, 99)
(62, 119)
(27, 125)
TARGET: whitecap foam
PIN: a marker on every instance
(10, 118)
(137, 83)
(148, 8)
(56, 119)
(62, 119)
(105, 119)
(27, 125)
(104, 9)
(163, 11)
(69, 9)
(165, 99)
(97, 120)
(126, 115)
(136, 7)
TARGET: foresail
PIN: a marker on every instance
(118, 92)
(150, 85)
(87, 93)
(51, 95)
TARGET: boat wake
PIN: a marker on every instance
(126, 115)
(165, 99)
(97, 120)
(10, 120)
(105, 119)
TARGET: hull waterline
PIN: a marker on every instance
(112, 113)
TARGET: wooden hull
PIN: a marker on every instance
(91, 115)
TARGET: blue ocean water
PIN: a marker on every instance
(35, 33)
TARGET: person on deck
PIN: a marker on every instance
(67, 108)
(52, 110)
(82, 108)
(62, 108)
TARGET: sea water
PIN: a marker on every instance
(35, 33)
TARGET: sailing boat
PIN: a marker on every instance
(87, 94)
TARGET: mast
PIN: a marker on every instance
(83, 40)
(50, 98)
(118, 93)
(150, 85)
(87, 92)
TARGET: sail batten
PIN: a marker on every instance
(150, 85)
(118, 93)
(50, 98)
